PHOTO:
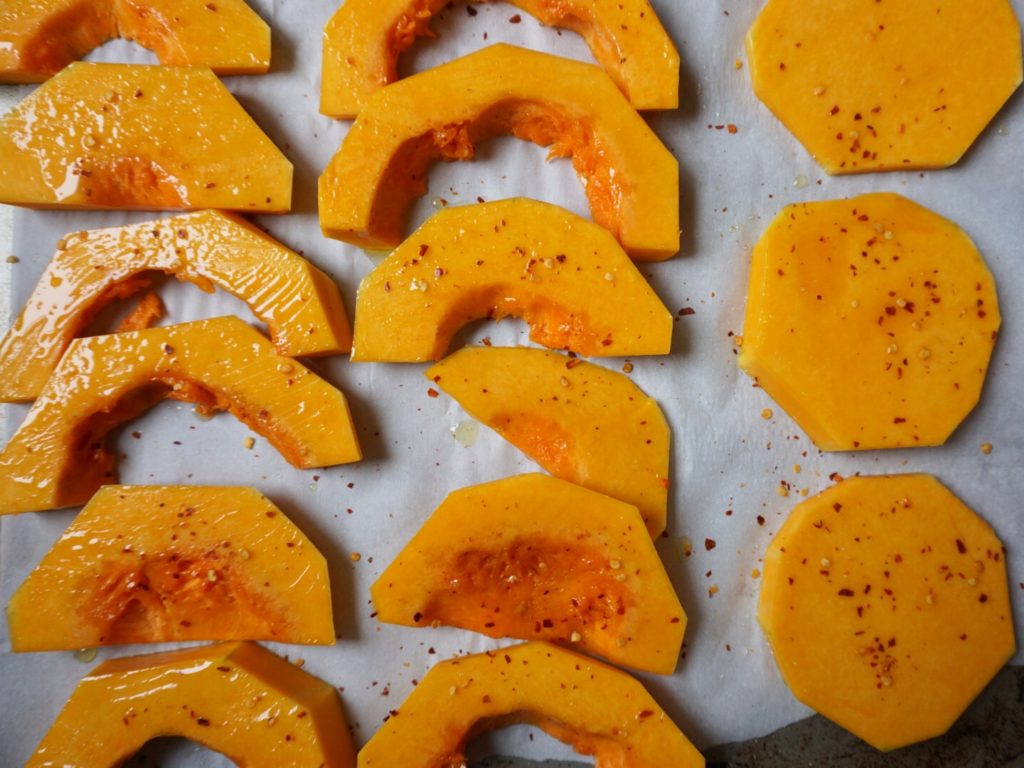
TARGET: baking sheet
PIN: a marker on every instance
(727, 461)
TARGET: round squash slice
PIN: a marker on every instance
(57, 459)
(886, 603)
(594, 708)
(581, 422)
(300, 304)
(236, 698)
(632, 180)
(568, 278)
(870, 320)
(38, 38)
(151, 564)
(363, 40)
(538, 558)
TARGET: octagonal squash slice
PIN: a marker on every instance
(566, 277)
(596, 709)
(885, 600)
(631, 179)
(57, 458)
(581, 422)
(364, 38)
(41, 37)
(239, 699)
(146, 564)
(135, 136)
(300, 304)
(538, 558)
(871, 86)
(870, 320)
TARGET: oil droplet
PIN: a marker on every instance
(86, 655)
(800, 181)
(466, 432)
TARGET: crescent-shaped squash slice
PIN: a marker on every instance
(300, 304)
(136, 136)
(364, 38)
(568, 278)
(38, 38)
(581, 422)
(886, 603)
(538, 558)
(57, 459)
(631, 179)
(594, 708)
(147, 564)
(239, 699)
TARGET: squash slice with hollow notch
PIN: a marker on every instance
(38, 38)
(631, 179)
(147, 564)
(57, 458)
(301, 305)
(565, 276)
(596, 709)
(581, 422)
(136, 136)
(239, 699)
(364, 38)
(537, 558)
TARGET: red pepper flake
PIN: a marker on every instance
(834, 110)
(760, 519)
(572, 363)
(203, 721)
(983, 598)
(710, 544)
(515, 19)
(417, 617)
(432, 392)
(960, 547)
(846, 592)
(644, 714)
(837, 507)
(423, 249)
(471, 10)
(685, 311)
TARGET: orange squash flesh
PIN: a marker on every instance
(870, 320)
(300, 304)
(594, 708)
(134, 136)
(534, 557)
(872, 86)
(145, 564)
(580, 422)
(57, 459)
(565, 276)
(38, 38)
(364, 38)
(632, 180)
(238, 699)
(886, 602)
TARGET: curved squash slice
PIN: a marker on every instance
(153, 564)
(565, 276)
(594, 708)
(538, 558)
(872, 86)
(364, 38)
(581, 422)
(41, 37)
(886, 603)
(134, 136)
(57, 459)
(632, 180)
(236, 698)
(870, 320)
(300, 304)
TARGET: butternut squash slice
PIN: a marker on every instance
(41, 37)
(870, 320)
(565, 276)
(300, 304)
(596, 709)
(57, 459)
(364, 38)
(147, 564)
(239, 699)
(134, 136)
(886, 603)
(631, 179)
(580, 422)
(538, 558)
(872, 86)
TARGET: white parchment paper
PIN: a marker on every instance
(727, 461)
